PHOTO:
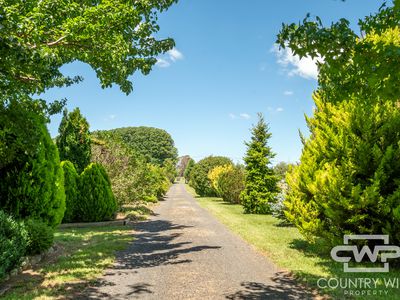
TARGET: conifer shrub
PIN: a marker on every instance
(261, 189)
(199, 174)
(73, 141)
(348, 181)
(71, 179)
(32, 182)
(97, 201)
(40, 236)
(231, 183)
(13, 243)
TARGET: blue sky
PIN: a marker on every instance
(224, 69)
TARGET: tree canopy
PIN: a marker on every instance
(155, 144)
(115, 37)
(365, 65)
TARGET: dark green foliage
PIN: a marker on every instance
(73, 141)
(261, 182)
(97, 202)
(32, 181)
(188, 170)
(348, 181)
(71, 179)
(13, 243)
(199, 175)
(231, 184)
(156, 145)
(40, 236)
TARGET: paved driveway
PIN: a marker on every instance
(183, 252)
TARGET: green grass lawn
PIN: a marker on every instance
(85, 253)
(287, 248)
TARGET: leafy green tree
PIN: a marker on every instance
(170, 170)
(261, 182)
(73, 141)
(188, 170)
(156, 145)
(228, 181)
(71, 179)
(365, 65)
(281, 169)
(347, 181)
(116, 38)
(97, 201)
(132, 178)
(199, 175)
(32, 182)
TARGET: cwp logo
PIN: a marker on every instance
(386, 251)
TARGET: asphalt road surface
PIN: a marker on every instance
(183, 252)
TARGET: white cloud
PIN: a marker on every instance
(293, 65)
(162, 63)
(174, 54)
(245, 116)
(279, 109)
(171, 56)
(288, 93)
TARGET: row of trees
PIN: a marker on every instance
(348, 178)
(254, 185)
(37, 40)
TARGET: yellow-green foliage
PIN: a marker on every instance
(214, 175)
(348, 181)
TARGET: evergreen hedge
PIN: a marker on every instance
(71, 179)
(96, 202)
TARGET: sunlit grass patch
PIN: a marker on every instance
(86, 252)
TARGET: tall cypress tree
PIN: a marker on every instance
(261, 182)
(73, 141)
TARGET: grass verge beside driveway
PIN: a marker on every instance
(286, 247)
(83, 255)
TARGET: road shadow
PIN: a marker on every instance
(283, 287)
(155, 243)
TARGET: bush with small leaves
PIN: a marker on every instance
(71, 179)
(13, 243)
(40, 236)
(199, 175)
(97, 201)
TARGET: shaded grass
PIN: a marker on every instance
(86, 253)
(289, 250)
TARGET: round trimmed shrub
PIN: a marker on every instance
(231, 183)
(40, 236)
(32, 182)
(199, 175)
(97, 201)
(71, 178)
(13, 243)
